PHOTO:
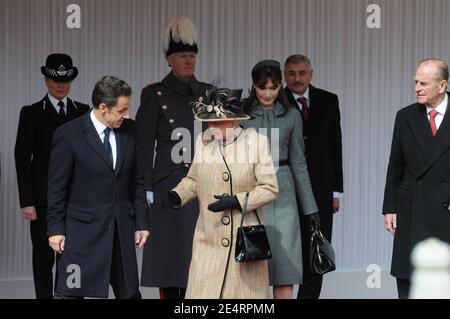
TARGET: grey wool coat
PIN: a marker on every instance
(281, 216)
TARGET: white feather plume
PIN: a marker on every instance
(182, 30)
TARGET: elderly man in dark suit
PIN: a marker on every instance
(417, 194)
(37, 124)
(97, 212)
(323, 152)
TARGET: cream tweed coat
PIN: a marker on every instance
(237, 168)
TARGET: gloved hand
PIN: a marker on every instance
(172, 200)
(314, 221)
(224, 202)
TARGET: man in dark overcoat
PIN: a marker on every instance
(417, 195)
(323, 152)
(97, 212)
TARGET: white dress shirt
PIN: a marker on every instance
(441, 108)
(100, 128)
(55, 101)
(306, 96)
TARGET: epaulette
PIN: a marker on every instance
(152, 84)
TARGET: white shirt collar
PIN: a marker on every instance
(99, 126)
(55, 101)
(306, 95)
(441, 108)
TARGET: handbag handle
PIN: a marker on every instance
(317, 240)
(244, 209)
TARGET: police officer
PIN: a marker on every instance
(37, 123)
(165, 119)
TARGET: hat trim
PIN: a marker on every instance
(69, 75)
(243, 118)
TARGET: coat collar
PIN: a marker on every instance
(188, 88)
(313, 97)
(432, 147)
(93, 139)
(259, 111)
(47, 106)
(121, 144)
(91, 135)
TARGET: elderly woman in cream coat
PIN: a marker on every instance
(229, 162)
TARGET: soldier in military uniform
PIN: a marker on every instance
(165, 118)
(37, 123)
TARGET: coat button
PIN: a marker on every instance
(109, 227)
(186, 165)
(225, 176)
(225, 242)
(225, 220)
(164, 107)
(446, 205)
(171, 121)
(159, 93)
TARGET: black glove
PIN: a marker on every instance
(172, 200)
(314, 221)
(224, 202)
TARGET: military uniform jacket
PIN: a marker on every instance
(165, 119)
(37, 123)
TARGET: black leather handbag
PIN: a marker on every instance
(251, 241)
(322, 256)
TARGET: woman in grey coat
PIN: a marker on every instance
(282, 124)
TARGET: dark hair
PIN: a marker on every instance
(260, 79)
(108, 90)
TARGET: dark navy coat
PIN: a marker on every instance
(87, 199)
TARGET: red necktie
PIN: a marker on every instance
(433, 114)
(305, 111)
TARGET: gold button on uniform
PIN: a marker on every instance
(225, 242)
(171, 121)
(159, 93)
(164, 107)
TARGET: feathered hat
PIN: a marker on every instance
(180, 36)
(219, 105)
